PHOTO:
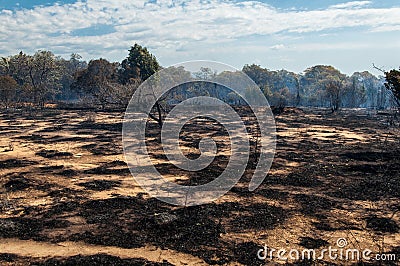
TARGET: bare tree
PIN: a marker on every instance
(334, 92)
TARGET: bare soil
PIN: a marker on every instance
(68, 198)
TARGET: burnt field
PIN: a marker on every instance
(68, 198)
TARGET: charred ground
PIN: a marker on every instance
(68, 197)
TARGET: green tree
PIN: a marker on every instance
(279, 99)
(267, 92)
(205, 73)
(16, 66)
(276, 81)
(324, 86)
(44, 74)
(258, 74)
(140, 64)
(393, 84)
(38, 74)
(97, 81)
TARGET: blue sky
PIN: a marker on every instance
(277, 34)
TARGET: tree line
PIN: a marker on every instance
(34, 80)
(322, 86)
(41, 78)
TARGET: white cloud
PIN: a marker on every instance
(386, 28)
(353, 4)
(174, 24)
(277, 47)
(339, 46)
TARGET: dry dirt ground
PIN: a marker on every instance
(67, 197)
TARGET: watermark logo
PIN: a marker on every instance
(341, 242)
(340, 252)
(153, 91)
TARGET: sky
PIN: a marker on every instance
(276, 34)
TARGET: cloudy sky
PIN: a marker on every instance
(296, 34)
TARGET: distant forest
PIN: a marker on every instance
(43, 78)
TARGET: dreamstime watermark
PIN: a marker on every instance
(151, 92)
(341, 252)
